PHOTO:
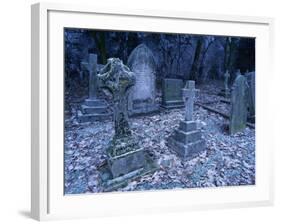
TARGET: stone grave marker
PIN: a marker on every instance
(252, 95)
(93, 109)
(143, 93)
(239, 105)
(225, 92)
(172, 93)
(126, 159)
(187, 140)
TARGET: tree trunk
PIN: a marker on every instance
(194, 73)
(100, 44)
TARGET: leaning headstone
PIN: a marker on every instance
(126, 159)
(143, 93)
(172, 93)
(93, 109)
(239, 105)
(252, 95)
(187, 140)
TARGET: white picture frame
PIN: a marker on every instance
(48, 201)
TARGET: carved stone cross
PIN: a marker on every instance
(118, 79)
(91, 67)
(188, 94)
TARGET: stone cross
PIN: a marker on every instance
(226, 78)
(188, 94)
(91, 67)
(118, 79)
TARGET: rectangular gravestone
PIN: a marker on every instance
(252, 95)
(172, 93)
(239, 105)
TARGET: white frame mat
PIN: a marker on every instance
(48, 200)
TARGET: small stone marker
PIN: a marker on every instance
(172, 93)
(187, 139)
(226, 91)
(143, 93)
(226, 80)
(239, 104)
(93, 109)
(126, 159)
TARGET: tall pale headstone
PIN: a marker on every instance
(239, 104)
(126, 159)
(172, 93)
(93, 109)
(187, 140)
(142, 95)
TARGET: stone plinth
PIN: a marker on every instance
(187, 140)
(94, 110)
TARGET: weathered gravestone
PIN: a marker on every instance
(126, 159)
(187, 140)
(93, 109)
(239, 104)
(225, 91)
(252, 95)
(143, 93)
(172, 93)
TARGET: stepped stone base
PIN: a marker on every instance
(187, 141)
(110, 183)
(94, 110)
(173, 104)
(126, 161)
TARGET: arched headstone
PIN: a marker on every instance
(142, 96)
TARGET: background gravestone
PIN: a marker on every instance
(172, 93)
(142, 95)
(225, 92)
(93, 109)
(239, 104)
(252, 95)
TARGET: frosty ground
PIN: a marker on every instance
(227, 161)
